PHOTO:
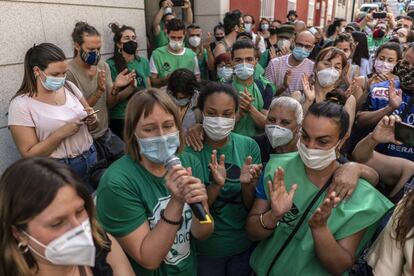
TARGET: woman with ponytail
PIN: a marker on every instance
(125, 47)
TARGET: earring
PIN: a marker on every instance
(120, 50)
(23, 248)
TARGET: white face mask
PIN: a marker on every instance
(176, 45)
(327, 77)
(167, 10)
(278, 136)
(218, 128)
(194, 41)
(74, 247)
(383, 67)
(316, 159)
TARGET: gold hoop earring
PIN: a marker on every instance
(23, 248)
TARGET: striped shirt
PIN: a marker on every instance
(276, 70)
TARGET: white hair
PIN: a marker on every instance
(291, 104)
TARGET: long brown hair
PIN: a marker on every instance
(142, 104)
(404, 219)
(26, 189)
(41, 56)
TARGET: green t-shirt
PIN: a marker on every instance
(258, 71)
(374, 44)
(141, 67)
(128, 196)
(161, 39)
(264, 58)
(246, 125)
(228, 211)
(166, 62)
(361, 211)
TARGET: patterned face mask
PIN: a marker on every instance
(405, 71)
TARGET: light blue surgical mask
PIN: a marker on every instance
(182, 102)
(159, 148)
(53, 83)
(300, 53)
(225, 73)
(244, 70)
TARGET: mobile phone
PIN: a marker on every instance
(404, 133)
(379, 15)
(178, 3)
(89, 115)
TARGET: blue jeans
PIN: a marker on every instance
(237, 265)
(82, 165)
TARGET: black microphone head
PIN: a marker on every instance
(171, 162)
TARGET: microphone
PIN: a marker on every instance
(197, 207)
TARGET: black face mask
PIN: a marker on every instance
(130, 47)
(219, 38)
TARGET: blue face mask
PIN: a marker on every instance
(300, 53)
(244, 70)
(53, 83)
(160, 148)
(91, 58)
(182, 102)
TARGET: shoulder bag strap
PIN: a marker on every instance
(300, 222)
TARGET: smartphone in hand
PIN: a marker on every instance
(404, 133)
(89, 115)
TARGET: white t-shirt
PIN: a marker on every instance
(46, 118)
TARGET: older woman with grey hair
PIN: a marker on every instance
(282, 131)
(283, 123)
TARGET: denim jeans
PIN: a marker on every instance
(237, 265)
(82, 165)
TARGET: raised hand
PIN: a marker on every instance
(218, 169)
(384, 132)
(320, 217)
(308, 88)
(394, 97)
(280, 200)
(288, 78)
(250, 172)
(272, 53)
(245, 100)
(124, 78)
(101, 80)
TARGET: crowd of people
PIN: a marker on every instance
(285, 136)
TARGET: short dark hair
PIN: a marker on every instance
(253, 21)
(184, 81)
(231, 20)
(391, 46)
(214, 87)
(244, 34)
(193, 26)
(332, 27)
(175, 24)
(241, 44)
(334, 111)
(218, 26)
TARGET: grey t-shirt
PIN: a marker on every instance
(88, 85)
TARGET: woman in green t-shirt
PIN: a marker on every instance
(329, 236)
(230, 165)
(145, 206)
(125, 58)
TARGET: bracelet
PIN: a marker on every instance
(264, 225)
(170, 221)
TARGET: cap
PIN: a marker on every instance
(353, 26)
(285, 30)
